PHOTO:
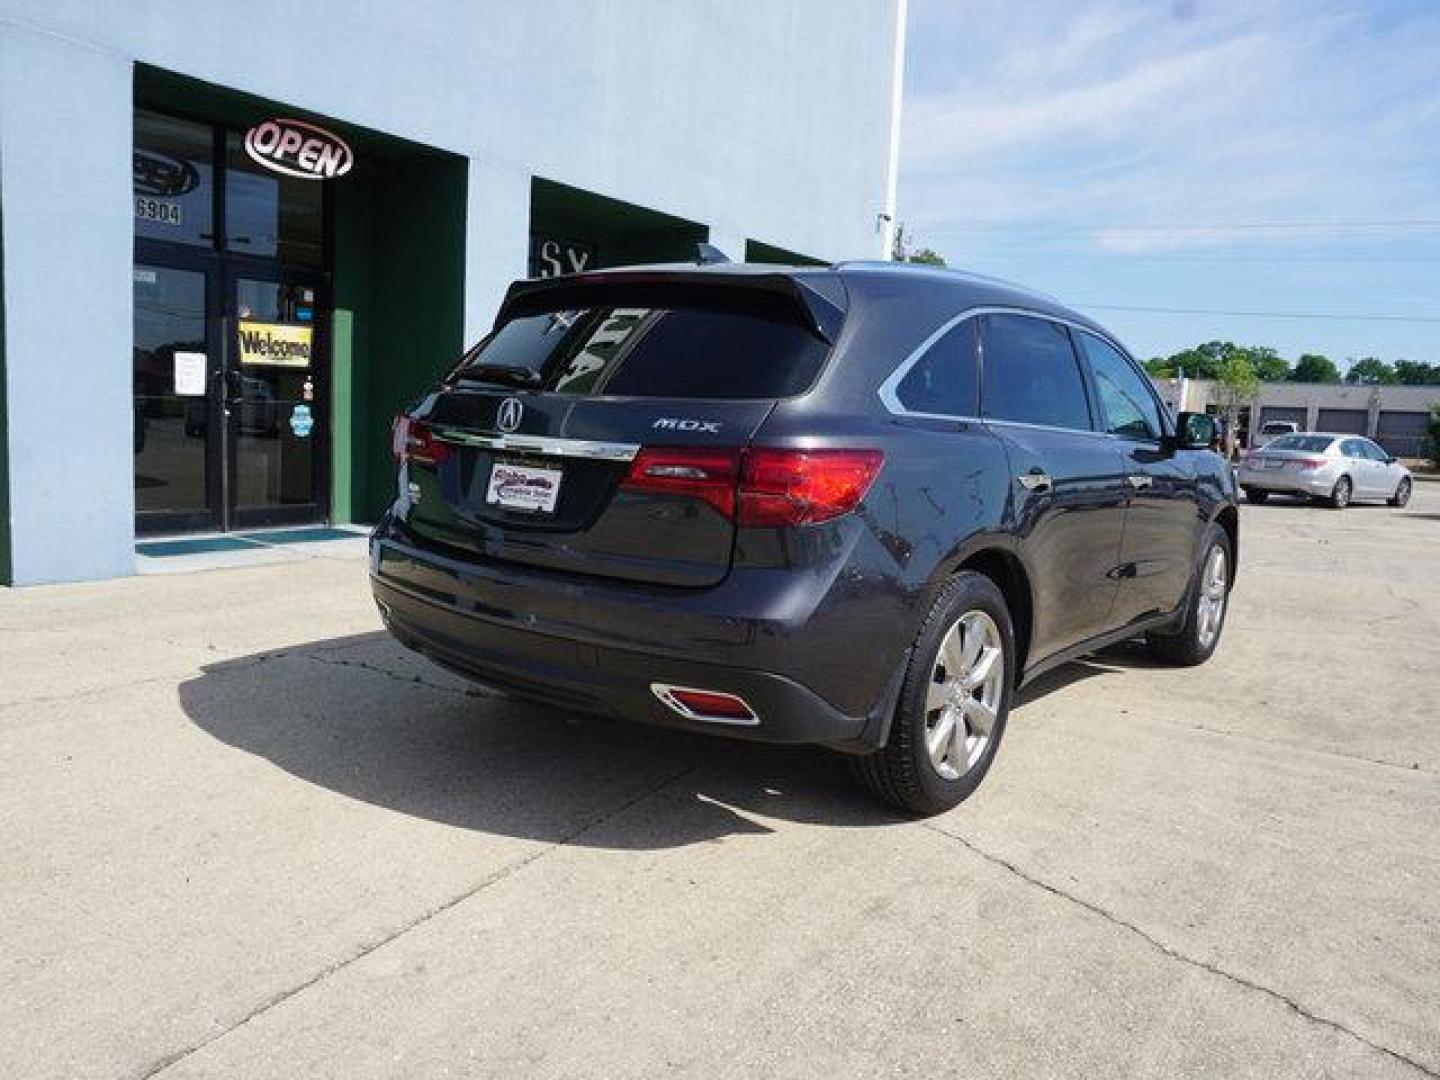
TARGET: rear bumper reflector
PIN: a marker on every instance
(711, 706)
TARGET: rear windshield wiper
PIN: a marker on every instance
(508, 374)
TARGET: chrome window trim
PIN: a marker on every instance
(892, 402)
(540, 444)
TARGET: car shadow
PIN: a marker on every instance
(365, 718)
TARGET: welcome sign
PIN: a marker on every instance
(276, 344)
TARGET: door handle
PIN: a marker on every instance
(1139, 481)
(1036, 480)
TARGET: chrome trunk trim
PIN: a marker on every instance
(540, 444)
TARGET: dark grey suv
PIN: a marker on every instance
(853, 506)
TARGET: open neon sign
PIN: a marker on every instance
(296, 148)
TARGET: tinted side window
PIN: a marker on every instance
(1125, 396)
(1374, 452)
(1030, 373)
(943, 380)
(1353, 448)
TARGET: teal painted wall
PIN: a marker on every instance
(399, 283)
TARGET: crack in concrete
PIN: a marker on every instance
(415, 680)
(166, 1062)
(216, 667)
(1414, 767)
(1174, 954)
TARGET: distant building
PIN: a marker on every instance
(1397, 417)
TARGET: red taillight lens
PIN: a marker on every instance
(802, 487)
(412, 440)
(695, 472)
(761, 486)
(1310, 463)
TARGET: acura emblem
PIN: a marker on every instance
(507, 417)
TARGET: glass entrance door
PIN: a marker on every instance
(277, 398)
(231, 372)
(175, 366)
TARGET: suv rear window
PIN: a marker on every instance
(672, 352)
(1309, 444)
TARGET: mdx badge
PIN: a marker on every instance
(507, 417)
(671, 423)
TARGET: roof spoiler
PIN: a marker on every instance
(819, 303)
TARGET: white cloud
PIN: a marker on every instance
(1132, 129)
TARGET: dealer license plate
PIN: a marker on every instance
(1273, 463)
(523, 487)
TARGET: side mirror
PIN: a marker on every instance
(1196, 431)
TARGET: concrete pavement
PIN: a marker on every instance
(242, 834)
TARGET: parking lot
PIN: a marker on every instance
(243, 834)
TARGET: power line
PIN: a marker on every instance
(1261, 314)
(1042, 230)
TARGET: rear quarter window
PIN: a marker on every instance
(942, 382)
(670, 352)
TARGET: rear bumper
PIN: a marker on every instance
(464, 618)
(1318, 483)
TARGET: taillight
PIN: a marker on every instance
(1311, 463)
(761, 486)
(699, 473)
(412, 440)
(803, 487)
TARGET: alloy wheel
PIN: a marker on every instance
(1210, 608)
(1341, 495)
(963, 700)
(1402, 493)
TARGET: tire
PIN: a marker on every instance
(1342, 493)
(1196, 640)
(1402, 493)
(904, 773)
(1256, 496)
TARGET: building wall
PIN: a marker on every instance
(1309, 399)
(771, 120)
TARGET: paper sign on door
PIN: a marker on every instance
(189, 374)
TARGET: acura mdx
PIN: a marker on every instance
(854, 506)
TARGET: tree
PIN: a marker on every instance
(1268, 364)
(1236, 386)
(1201, 362)
(1206, 361)
(1370, 370)
(1415, 373)
(1314, 368)
(928, 256)
(902, 250)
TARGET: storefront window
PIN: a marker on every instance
(271, 215)
(174, 183)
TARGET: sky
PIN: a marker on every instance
(1257, 156)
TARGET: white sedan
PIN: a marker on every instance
(1337, 468)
